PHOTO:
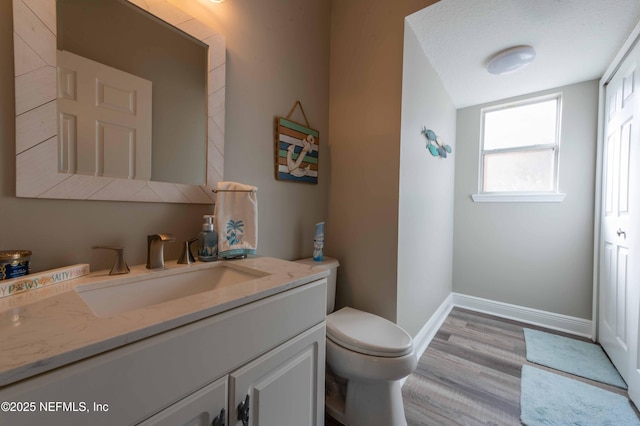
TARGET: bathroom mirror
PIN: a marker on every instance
(38, 147)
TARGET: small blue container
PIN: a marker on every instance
(318, 242)
(14, 263)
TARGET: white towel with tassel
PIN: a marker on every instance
(236, 213)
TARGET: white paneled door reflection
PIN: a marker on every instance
(104, 120)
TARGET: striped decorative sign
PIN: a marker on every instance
(296, 152)
(34, 281)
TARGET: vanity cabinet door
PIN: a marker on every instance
(284, 386)
(201, 408)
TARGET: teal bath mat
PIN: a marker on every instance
(573, 356)
(550, 399)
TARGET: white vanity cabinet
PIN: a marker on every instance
(283, 386)
(206, 407)
(272, 350)
(278, 388)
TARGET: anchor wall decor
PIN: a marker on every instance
(296, 149)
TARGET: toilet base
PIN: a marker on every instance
(369, 403)
(334, 406)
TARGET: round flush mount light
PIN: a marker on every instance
(217, 1)
(511, 59)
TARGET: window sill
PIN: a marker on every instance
(518, 198)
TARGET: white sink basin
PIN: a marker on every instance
(119, 295)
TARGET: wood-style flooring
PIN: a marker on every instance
(470, 373)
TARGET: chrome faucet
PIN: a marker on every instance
(155, 250)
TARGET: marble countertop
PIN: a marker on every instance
(52, 326)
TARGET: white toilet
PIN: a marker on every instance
(370, 356)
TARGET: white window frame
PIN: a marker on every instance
(515, 196)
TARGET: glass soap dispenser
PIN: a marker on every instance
(208, 241)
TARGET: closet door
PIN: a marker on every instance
(619, 291)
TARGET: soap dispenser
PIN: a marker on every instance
(207, 241)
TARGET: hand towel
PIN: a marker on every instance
(236, 213)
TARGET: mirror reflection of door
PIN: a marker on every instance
(120, 35)
(105, 120)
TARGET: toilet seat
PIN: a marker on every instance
(367, 334)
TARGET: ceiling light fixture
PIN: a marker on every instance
(217, 1)
(511, 59)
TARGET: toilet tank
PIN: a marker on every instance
(331, 265)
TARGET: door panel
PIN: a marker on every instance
(198, 409)
(621, 302)
(613, 327)
(105, 120)
(607, 287)
(291, 376)
(619, 286)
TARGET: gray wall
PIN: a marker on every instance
(425, 217)
(537, 255)
(277, 52)
(365, 105)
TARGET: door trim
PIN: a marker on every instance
(626, 48)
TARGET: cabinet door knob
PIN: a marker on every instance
(220, 420)
(243, 411)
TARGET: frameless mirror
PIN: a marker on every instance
(184, 63)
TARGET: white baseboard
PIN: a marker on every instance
(565, 323)
(429, 330)
(553, 321)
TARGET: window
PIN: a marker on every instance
(519, 152)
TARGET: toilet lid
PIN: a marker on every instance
(367, 333)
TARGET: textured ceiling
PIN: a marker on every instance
(575, 41)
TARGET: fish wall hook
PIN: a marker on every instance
(434, 145)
